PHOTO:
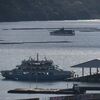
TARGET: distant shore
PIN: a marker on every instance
(36, 42)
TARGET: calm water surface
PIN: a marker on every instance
(82, 47)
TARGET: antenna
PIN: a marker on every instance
(45, 58)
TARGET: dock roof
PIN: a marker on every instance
(89, 64)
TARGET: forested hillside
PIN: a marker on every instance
(22, 10)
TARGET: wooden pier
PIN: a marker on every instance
(42, 91)
(74, 90)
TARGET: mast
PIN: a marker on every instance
(37, 57)
(36, 71)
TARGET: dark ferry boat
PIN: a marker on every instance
(37, 70)
(63, 32)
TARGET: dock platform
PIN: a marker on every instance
(94, 78)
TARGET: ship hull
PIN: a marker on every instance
(62, 34)
(59, 76)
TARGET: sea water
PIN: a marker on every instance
(16, 45)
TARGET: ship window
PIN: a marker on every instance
(25, 72)
(47, 73)
(10, 73)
